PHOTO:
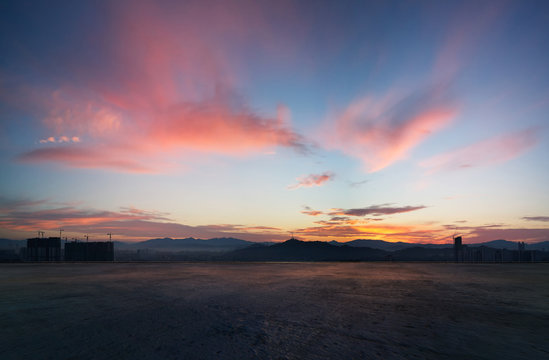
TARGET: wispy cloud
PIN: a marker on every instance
(381, 131)
(495, 150)
(11, 204)
(113, 158)
(169, 91)
(376, 210)
(466, 30)
(537, 218)
(482, 234)
(308, 211)
(312, 180)
(126, 223)
(358, 183)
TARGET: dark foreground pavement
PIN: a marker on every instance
(274, 311)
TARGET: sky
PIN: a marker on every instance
(394, 120)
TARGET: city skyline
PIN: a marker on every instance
(396, 121)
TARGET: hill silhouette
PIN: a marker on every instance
(395, 246)
(232, 249)
(296, 250)
(189, 244)
(229, 243)
(385, 245)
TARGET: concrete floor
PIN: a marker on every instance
(274, 311)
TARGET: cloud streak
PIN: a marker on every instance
(537, 218)
(382, 131)
(311, 212)
(87, 157)
(312, 180)
(376, 210)
(492, 151)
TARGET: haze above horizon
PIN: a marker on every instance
(395, 121)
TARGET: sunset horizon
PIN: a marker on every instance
(392, 121)
(283, 179)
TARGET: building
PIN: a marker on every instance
(458, 249)
(89, 251)
(44, 249)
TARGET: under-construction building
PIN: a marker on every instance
(44, 249)
(89, 251)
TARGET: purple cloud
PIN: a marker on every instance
(377, 210)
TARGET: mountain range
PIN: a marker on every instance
(296, 250)
(395, 246)
(187, 244)
(231, 249)
(230, 244)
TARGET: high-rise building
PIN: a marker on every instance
(458, 254)
(44, 249)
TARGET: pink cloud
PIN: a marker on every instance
(311, 212)
(127, 223)
(51, 139)
(167, 91)
(87, 157)
(61, 139)
(495, 150)
(381, 131)
(312, 180)
(67, 217)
